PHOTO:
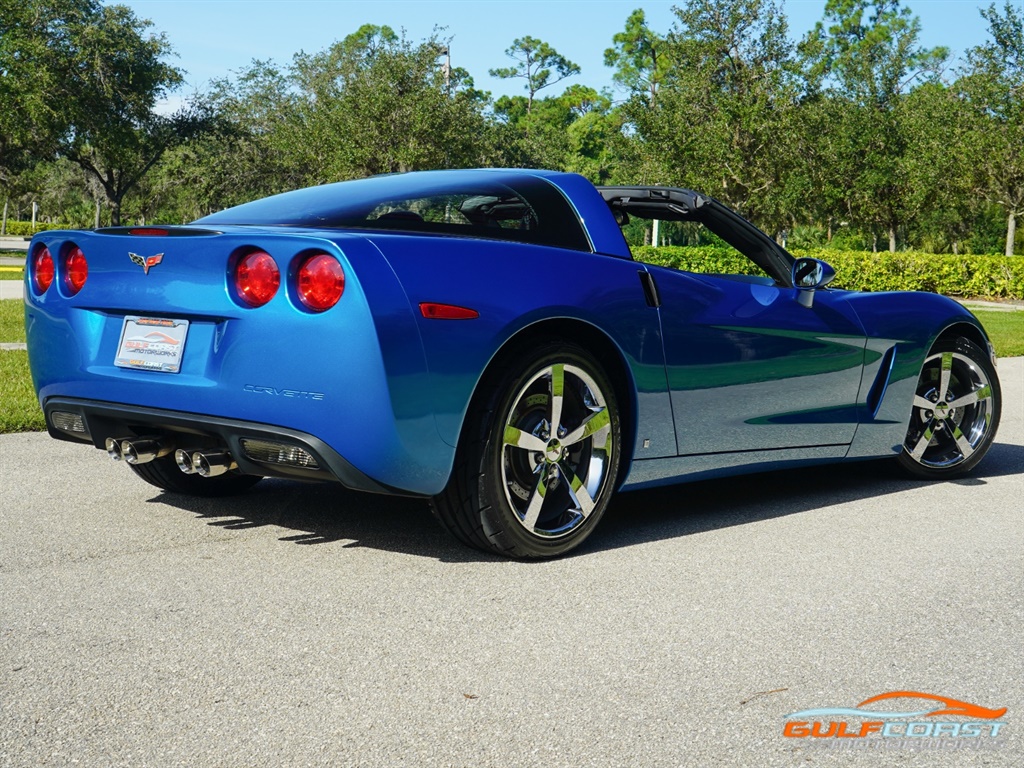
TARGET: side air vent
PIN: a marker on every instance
(881, 381)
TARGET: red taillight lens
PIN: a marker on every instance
(42, 269)
(76, 270)
(148, 231)
(321, 282)
(257, 278)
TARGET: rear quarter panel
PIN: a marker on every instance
(515, 286)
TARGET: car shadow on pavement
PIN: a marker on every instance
(322, 513)
(681, 510)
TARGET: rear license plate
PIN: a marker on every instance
(151, 343)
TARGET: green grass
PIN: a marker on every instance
(12, 271)
(1006, 329)
(12, 321)
(20, 412)
(19, 409)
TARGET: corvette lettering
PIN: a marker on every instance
(297, 393)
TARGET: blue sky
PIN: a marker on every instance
(214, 38)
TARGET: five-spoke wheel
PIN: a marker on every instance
(557, 450)
(955, 413)
(540, 459)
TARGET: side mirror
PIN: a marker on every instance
(809, 275)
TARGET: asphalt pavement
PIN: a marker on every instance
(303, 625)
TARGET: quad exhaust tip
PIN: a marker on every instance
(136, 450)
(184, 461)
(142, 450)
(213, 463)
(113, 446)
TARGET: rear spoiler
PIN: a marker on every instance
(158, 231)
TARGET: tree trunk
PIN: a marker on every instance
(892, 239)
(1011, 232)
(115, 213)
(830, 229)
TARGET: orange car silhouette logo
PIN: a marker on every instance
(947, 706)
(924, 721)
(156, 337)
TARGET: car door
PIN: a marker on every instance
(750, 368)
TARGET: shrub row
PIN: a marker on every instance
(972, 276)
(24, 228)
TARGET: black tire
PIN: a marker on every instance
(516, 488)
(164, 474)
(951, 431)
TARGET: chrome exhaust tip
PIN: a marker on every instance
(141, 450)
(113, 447)
(213, 463)
(184, 461)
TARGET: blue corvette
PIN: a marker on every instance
(484, 338)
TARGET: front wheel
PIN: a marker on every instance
(539, 458)
(956, 411)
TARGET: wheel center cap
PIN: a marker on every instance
(942, 410)
(554, 450)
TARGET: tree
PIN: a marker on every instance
(993, 88)
(254, 151)
(869, 56)
(724, 107)
(34, 51)
(376, 102)
(85, 79)
(535, 62)
(638, 57)
(577, 131)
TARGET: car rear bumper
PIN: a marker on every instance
(93, 421)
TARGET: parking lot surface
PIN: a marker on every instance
(306, 625)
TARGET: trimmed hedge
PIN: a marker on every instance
(993, 277)
(24, 228)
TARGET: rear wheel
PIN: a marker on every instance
(164, 473)
(956, 411)
(539, 458)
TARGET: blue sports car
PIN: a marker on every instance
(484, 338)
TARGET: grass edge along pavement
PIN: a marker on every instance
(20, 411)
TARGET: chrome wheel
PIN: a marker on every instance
(557, 449)
(539, 456)
(955, 412)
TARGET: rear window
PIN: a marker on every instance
(514, 207)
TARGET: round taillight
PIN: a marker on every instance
(42, 269)
(76, 270)
(321, 282)
(257, 278)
